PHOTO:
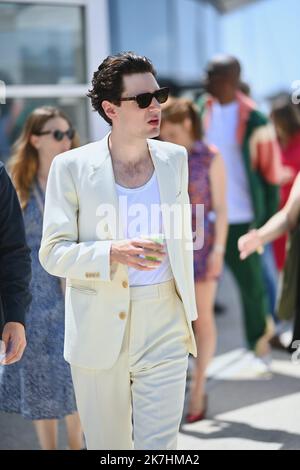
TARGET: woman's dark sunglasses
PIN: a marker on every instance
(145, 99)
(59, 135)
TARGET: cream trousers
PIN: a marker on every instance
(141, 397)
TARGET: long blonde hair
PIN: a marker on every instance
(24, 162)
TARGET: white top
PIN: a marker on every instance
(222, 133)
(141, 215)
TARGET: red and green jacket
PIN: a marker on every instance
(261, 154)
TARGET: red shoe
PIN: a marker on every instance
(199, 417)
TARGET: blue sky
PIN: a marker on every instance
(265, 36)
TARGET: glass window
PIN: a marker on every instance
(177, 35)
(144, 27)
(198, 24)
(42, 44)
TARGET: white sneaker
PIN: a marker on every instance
(261, 366)
(253, 367)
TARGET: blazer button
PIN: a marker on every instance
(122, 315)
(125, 284)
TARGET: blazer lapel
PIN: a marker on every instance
(167, 188)
(101, 176)
(164, 173)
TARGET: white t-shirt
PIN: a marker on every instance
(222, 133)
(141, 215)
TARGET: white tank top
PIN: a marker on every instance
(222, 133)
(141, 215)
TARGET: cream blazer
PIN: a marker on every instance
(77, 239)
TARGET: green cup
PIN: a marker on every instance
(157, 238)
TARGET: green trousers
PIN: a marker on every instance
(249, 277)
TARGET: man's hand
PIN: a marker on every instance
(14, 340)
(133, 252)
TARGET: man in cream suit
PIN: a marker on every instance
(129, 300)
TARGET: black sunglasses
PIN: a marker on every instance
(144, 99)
(59, 135)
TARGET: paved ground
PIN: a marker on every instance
(246, 411)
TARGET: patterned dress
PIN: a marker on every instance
(200, 159)
(40, 386)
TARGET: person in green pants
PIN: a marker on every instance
(247, 142)
(252, 288)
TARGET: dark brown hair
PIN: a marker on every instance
(176, 110)
(107, 83)
(286, 116)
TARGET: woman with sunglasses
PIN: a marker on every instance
(40, 387)
(181, 125)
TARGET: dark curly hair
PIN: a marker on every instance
(107, 83)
